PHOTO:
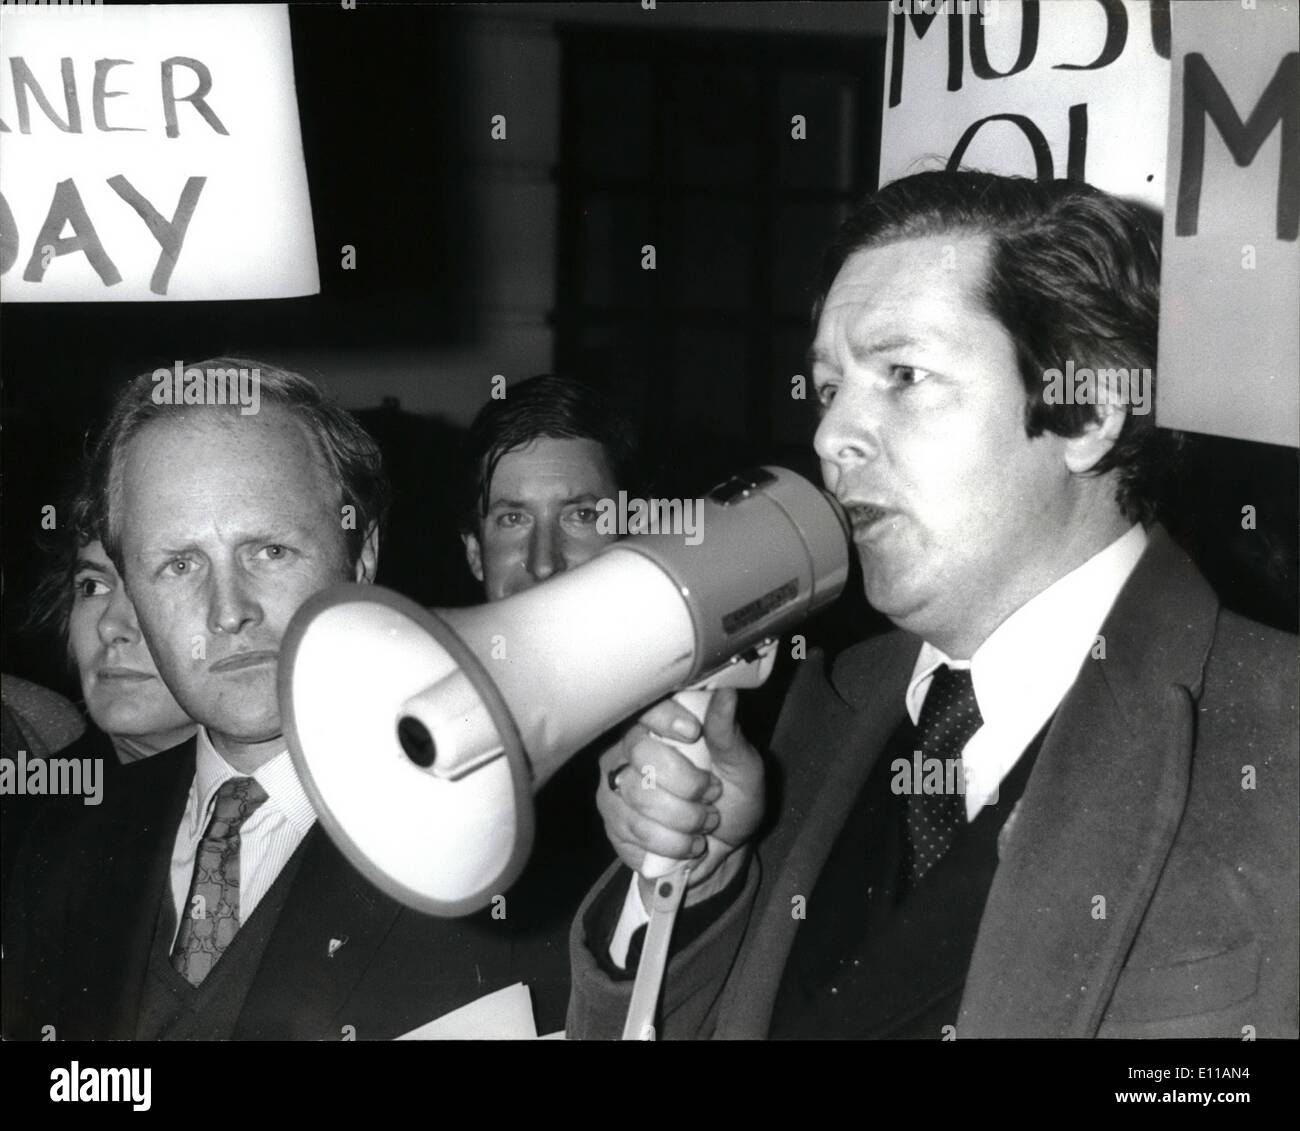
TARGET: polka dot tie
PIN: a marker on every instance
(936, 807)
(210, 917)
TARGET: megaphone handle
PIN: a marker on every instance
(697, 702)
(673, 876)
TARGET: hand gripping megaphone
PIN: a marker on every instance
(419, 735)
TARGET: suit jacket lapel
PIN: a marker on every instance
(329, 929)
(850, 730)
(1085, 849)
(124, 893)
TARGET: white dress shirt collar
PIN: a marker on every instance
(283, 789)
(1024, 669)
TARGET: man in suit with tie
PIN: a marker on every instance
(1060, 799)
(202, 899)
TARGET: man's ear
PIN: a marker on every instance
(368, 562)
(1082, 452)
(473, 555)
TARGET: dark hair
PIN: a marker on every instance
(1074, 274)
(352, 457)
(49, 609)
(560, 408)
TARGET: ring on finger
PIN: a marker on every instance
(611, 778)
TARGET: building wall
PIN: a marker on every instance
(512, 67)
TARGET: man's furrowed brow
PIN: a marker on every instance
(170, 549)
(863, 351)
(291, 532)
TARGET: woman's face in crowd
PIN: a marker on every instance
(119, 680)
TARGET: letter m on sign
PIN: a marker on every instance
(1204, 97)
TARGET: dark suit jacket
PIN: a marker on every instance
(1166, 785)
(86, 897)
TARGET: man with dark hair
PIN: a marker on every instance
(202, 899)
(1072, 273)
(1060, 800)
(538, 461)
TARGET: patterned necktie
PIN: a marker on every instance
(949, 717)
(208, 925)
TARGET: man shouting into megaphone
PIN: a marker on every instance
(1021, 814)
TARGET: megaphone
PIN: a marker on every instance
(419, 735)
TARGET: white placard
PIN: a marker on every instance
(1230, 285)
(1072, 88)
(151, 154)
